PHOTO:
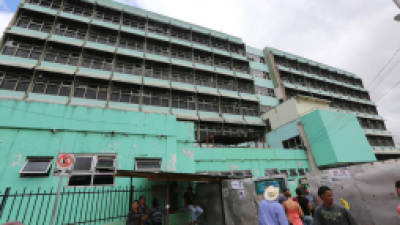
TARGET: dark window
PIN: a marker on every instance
(183, 100)
(181, 74)
(125, 93)
(36, 166)
(202, 57)
(134, 21)
(90, 89)
(21, 47)
(78, 7)
(147, 164)
(157, 70)
(62, 54)
(83, 163)
(223, 62)
(200, 38)
(15, 80)
(219, 43)
(241, 66)
(158, 48)
(52, 84)
(107, 15)
(180, 33)
(250, 108)
(230, 106)
(102, 36)
(97, 60)
(208, 103)
(269, 172)
(131, 42)
(34, 21)
(205, 79)
(246, 86)
(181, 52)
(157, 27)
(54, 4)
(70, 29)
(225, 82)
(103, 180)
(156, 97)
(80, 180)
(293, 143)
(128, 65)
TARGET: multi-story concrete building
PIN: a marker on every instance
(121, 88)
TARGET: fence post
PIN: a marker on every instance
(54, 211)
(4, 200)
(130, 195)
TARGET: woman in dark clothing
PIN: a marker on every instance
(134, 217)
(305, 205)
(156, 214)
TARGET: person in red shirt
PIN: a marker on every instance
(397, 185)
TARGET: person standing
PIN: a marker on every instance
(305, 205)
(283, 197)
(397, 185)
(191, 204)
(329, 213)
(293, 211)
(156, 213)
(134, 217)
(270, 211)
(144, 210)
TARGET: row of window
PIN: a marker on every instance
(255, 58)
(380, 141)
(92, 59)
(289, 172)
(321, 85)
(86, 169)
(264, 91)
(336, 103)
(260, 74)
(45, 83)
(372, 124)
(294, 143)
(85, 9)
(227, 134)
(294, 64)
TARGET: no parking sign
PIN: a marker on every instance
(64, 164)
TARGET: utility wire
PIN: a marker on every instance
(384, 95)
(379, 74)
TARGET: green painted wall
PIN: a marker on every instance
(336, 138)
(275, 137)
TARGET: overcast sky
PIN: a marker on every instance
(355, 35)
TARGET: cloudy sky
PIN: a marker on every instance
(355, 35)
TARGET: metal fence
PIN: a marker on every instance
(89, 205)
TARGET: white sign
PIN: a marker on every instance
(237, 184)
(339, 174)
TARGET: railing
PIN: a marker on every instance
(97, 205)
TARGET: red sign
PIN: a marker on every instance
(65, 160)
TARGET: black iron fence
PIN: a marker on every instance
(89, 205)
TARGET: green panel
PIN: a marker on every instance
(207, 90)
(157, 36)
(123, 106)
(39, 8)
(129, 52)
(224, 71)
(133, 30)
(181, 42)
(156, 82)
(57, 67)
(254, 51)
(203, 67)
(12, 94)
(183, 86)
(221, 52)
(100, 47)
(17, 61)
(233, 118)
(244, 75)
(263, 83)
(93, 73)
(248, 96)
(184, 63)
(159, 58)
(202, 47)
(136, 79)
(66, 40)
(27, 32)
(227, 93)
(179, 218)
(155, 109)
(88, 102)
(259, 66)
(105, 24)
(75, 17)
(237, 56)
(336, 138)
(48, 98)
(268, 101)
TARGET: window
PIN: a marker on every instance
(246, 86)
(15, 80)
(208, 103)
(34, 22)
(180, 33)
(228, 83)
(36, 166)
(102, 36)
(264, 91)
(24, 48)
(219, 43)
(183, 100)
(54, 4)
(205, 79)
(148, 164)
(250, 108)
(70, 29)
(158, 48)
(302, 171)
(243, 173)
(62, 54)
(202, 57)
(156, 97)
(121, 92)
(107, 15)
(134, 21)
(97, 60)
(131, 42)
(200, 38)
(261, 74)
(78, 7)
(52, 84)
(92, 170)
(237, 48)
(293, 143)
(230, 106)
(255, 58)
(128, 65)
(156, 70)
(181, 74)
(157, 27)
(181, 52)
(90, 89)
(293, 172)
(271, 172)
(223, 62)
(284, 172)
(241, 66)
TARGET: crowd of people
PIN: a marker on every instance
(304, 209)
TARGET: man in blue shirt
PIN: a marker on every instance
(271, 212)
